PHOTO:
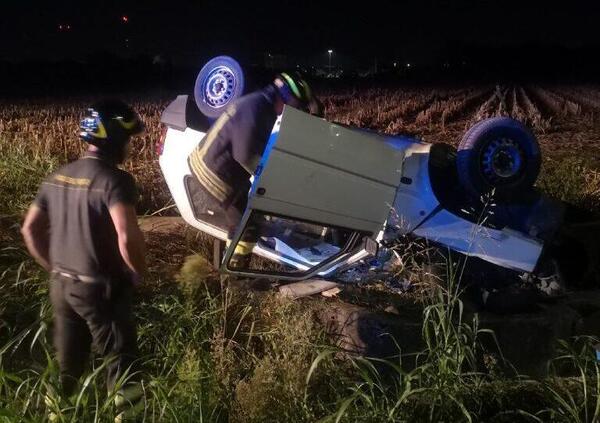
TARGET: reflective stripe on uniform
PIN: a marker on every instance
(82, 278)
(211, 181)
(82, 182)
(201, 172)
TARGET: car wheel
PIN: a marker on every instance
(500, 155)
(218, 84)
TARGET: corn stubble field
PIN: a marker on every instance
(214, 352)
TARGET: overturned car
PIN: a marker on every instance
(329, 196)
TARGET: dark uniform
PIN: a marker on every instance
(231, 151)
(91, 289)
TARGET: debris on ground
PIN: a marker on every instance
(381, 270)
(330, 293)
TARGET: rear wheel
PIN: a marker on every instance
(500, 155)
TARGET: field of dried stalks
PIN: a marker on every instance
(565, 119)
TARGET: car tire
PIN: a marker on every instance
(498, 154)
(218, 84)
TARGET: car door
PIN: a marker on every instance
(320, 197)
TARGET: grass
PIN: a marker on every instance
(212, 352)
(209, 352)
(572, 179)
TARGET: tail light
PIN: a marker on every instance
(160, 144)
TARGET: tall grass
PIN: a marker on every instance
(213, 353)
(440, 378)
(208, 353)
(577, 399)
(572, 179)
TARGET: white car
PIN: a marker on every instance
(328, 196)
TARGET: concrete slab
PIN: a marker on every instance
(306, 288)
(527, 340)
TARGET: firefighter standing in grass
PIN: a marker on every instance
(82, 227)
(233, 147)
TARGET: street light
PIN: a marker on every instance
(329, 51)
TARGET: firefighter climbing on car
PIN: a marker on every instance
(232, 148)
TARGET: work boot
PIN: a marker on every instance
(242, 255)
(240, 261)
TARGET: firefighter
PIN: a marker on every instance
(233, 147)
(82, 227)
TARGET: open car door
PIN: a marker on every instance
(320, 198)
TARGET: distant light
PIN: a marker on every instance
(68, 27)
(395, 64)
(408, 65)
(60, 27)
(329, 51)
(125, 18)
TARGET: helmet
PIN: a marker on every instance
(293, 89)
(108, 125)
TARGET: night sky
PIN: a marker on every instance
(190, 31)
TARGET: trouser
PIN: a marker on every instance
(233, 216)
(234, 213)
(243, 250)
(97, 312)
